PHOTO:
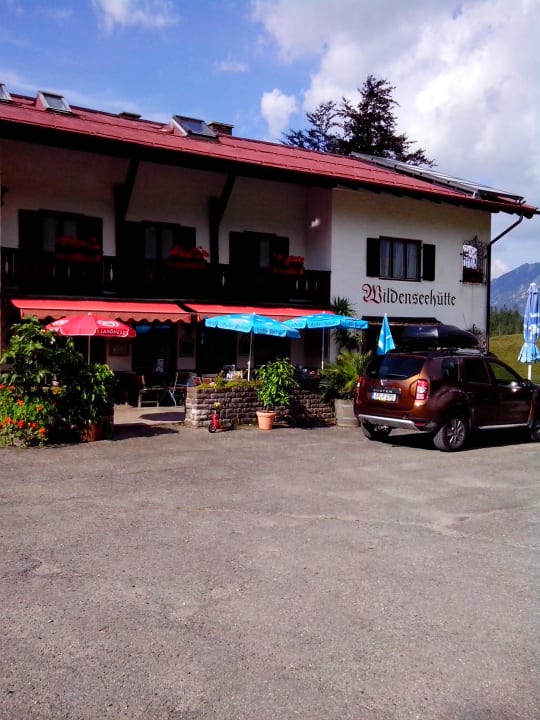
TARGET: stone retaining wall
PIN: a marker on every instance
(239, 404)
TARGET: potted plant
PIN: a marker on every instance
(338, 381)
(87, 401)
(276, 384)
(287, 264)
(187, 258)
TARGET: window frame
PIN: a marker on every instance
(389, 251)
(32, 228)
(473, 269)
(181, 235)
(255, 249)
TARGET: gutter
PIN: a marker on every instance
(488, 294)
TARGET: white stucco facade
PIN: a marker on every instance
(328, 227)
(359, 215)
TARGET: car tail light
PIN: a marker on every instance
(422, 389)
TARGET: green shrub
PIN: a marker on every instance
(277, 382)
(339, 378)
(24, 419)
(32, 411)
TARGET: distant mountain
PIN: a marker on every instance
(511, 288)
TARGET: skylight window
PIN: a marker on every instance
(51, 101)
(193, 126)
(4, 95)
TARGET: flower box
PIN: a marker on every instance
(187, 258)
(186, 264)
(286, 270)
(287, 264)
(71, 249)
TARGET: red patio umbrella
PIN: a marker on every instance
(90, 326)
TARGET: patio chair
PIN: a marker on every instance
(148, 394)
(176, 393)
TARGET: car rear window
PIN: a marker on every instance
(394, 367)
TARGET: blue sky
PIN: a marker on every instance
(466, 72)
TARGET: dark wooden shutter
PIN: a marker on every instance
(428, 262)
(130, 241)
(185, 236)
(279, 246)
(373, 257)
(91, 227)
(30, 231)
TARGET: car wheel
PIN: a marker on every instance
(375, 432)
(535, 430)
(452, 435)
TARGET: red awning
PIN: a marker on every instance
(204, 310)
(102, 308)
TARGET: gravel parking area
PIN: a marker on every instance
(173, 574)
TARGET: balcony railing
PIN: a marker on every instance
(128, 278)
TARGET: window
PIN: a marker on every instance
(159, 239)
(450, 370)
(51, 101)
(193, 126)
(474, 256)
(474, 371)
(400, 259)
(503, 375)
(254, 250)
(70, 237)
(4, 94)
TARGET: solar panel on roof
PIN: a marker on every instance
(194, 126)
(476, 189)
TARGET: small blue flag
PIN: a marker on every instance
(385, 342)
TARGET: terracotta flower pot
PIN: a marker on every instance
(266, 419)
(91, 432)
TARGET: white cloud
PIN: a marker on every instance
(276, 109)
(144, 13)
(498, 268)
(466, 78)
(230, 66)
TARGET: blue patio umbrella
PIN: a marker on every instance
(254, 325)
(326, 320)
(529, 352)
(385, 343)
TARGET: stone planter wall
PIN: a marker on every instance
(240, 404)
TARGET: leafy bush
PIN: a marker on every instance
(277, 382)
(339, 378)
(24, 420)
(32, 410)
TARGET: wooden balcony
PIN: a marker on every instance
(115, 277)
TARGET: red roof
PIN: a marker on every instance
(247, 155)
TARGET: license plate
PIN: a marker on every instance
(385, 397)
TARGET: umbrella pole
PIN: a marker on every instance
(89, 349)
(249, 356)
(322, 350)
(529, 371)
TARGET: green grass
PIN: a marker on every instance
(507, 348)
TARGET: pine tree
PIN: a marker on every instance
(370, 127)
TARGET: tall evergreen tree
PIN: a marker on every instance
(370, 127)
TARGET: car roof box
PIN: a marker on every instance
(432, 337)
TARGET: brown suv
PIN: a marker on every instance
(445, 391)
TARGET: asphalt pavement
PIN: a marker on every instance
(298, 573)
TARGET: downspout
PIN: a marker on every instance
(488, 294)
